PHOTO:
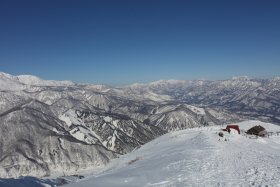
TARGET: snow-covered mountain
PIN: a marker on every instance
(49, 127)
(197, 157)
(257, 98)
(20, 81)
(191, 157)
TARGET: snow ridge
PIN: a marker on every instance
(197, 157)
(20, 82)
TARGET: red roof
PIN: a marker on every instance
(236, 127)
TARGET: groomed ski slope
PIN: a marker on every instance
(196, 157)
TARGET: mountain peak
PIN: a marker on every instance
(170, 81)
(32, 80)
(241, 78)
(275, 79)
(5, 75)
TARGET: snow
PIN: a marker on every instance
(7, 82)
(115, 123)
(69, 117)
(156, 97)
(113, 140)
(81, 132)
(21, 82)
(107, 119)
(196, 157)
(61, 143)
(77, 134)
(36, 81)
(171, 81)
(196, 110)
(36, 182)
(268, 126)
(241, 78)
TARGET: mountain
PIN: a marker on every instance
(191, 157)
(10, 82)
(61, 127)
(48, 127)
(257, 98)
(35, 142)
(197, 157)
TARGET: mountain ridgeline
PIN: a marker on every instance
(51, 127)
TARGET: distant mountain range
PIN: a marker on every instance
(257, 98)
(49, 127)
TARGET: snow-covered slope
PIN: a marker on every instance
(196, 157)
(7, 82)
(10, 82)
(34, 142)
(36, 81)
(258, 98)
(46, 126)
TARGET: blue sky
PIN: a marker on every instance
(120, 42)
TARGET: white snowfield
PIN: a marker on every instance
(196, 157)
(21, 82)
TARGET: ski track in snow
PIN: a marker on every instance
(195, 157)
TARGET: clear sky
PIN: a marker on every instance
(120, 42)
